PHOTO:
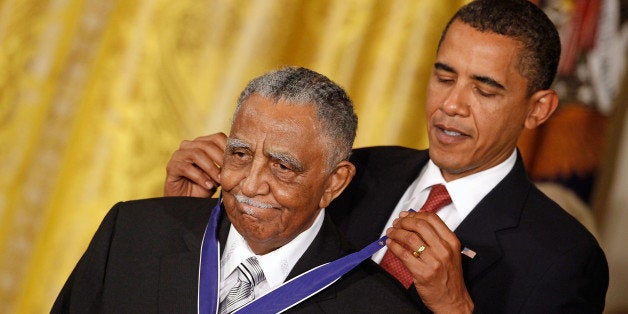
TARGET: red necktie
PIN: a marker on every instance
(436, 200)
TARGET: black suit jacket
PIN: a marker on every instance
(532, 257)
(144, 259)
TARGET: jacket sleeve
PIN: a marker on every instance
(82, 292)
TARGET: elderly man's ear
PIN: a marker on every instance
(337, 182)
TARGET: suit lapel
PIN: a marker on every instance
(178, 282)
(382, 178)
(326, 247)
(178, 272)
(501, 209)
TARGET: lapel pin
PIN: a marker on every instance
(468, 252)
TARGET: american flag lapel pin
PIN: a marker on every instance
(468, 252)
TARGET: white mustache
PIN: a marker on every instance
(248, 201)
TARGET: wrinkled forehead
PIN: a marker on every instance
(282, 125)
(276, 115)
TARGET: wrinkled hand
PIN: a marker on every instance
(194, 169)
(437, 272)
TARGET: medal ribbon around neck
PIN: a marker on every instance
(281, 298)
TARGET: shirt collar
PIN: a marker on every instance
(467, 191)
(276, 264)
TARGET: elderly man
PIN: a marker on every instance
(285, 161)
(521, 252)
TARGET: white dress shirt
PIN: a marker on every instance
(276, 264)
(465, 193)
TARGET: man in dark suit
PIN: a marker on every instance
(521, 252)
(285, 161)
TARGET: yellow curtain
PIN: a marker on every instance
(95, 96)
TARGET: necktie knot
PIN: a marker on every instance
(437, 198)
(250, 273)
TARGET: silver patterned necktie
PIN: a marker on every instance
(249, 274)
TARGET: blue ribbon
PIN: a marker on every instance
(309, 283)
(283, 297)
(210, 265)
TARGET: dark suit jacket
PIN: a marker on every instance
(144, 259)
(532, 257)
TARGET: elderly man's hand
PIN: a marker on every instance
(437, 271)
(194, 169)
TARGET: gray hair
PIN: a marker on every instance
(305, 87)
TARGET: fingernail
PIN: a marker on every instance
(209, 185)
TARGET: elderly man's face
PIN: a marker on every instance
(274, 176)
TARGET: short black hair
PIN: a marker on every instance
(525, 22)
